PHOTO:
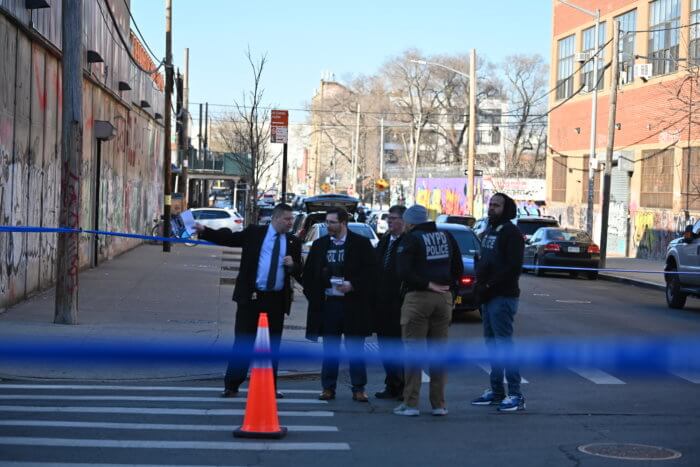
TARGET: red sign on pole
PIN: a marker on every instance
(279, 125)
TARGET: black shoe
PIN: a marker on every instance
(229, 393)
(386, 394)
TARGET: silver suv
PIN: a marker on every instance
(683, 255)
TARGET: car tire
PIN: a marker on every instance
(592, 275)
(674, 297)
(538, 271)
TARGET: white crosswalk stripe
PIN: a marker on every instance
(86, 417)
(597, 376)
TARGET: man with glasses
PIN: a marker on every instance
(339, 285)
(387, 305)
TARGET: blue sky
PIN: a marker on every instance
(304, 38)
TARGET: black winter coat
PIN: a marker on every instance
(359, 270)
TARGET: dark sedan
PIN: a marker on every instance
(469, 246)
(561, 247)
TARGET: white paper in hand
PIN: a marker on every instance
(189, 221)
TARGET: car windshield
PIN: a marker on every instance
(360, 229)
(530, 227)
(568, 236)
(468, 244)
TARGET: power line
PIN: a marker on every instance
(143, 39)
(125, 44)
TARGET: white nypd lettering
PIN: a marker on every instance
(436, 246)
(335, 256)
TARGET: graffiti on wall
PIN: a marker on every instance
(652, 230)
(447, 195)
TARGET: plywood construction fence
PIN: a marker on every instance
(130, 174)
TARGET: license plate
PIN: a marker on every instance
(574, 249)
(458, 301)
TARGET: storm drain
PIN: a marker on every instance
(229, 252)
(630, 452)
(294, 327)
(227, 281)
(231, 260)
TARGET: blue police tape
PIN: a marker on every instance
(638, 355)
(31, 229)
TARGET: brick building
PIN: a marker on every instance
(656, 174)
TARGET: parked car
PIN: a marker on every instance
(682, 256)
(218, 218)
(299, 217)
(470, 247)
(316, 207)
(264, 214)
(480, 227)
(528, 225)
(378, 222)
(561, 247)
(321, 229)
(467, 221)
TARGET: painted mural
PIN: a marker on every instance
(447, 195)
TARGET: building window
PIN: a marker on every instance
(587, 78)
(628, 24)
(559, 172)
(584, 183)
(664, 20)
(691, 173)
(490, 116)
(657, 179)
(565, 68)
(694, 51)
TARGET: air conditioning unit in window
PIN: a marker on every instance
(643, 71)
(581, 56)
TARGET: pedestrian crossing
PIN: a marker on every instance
(77, 419)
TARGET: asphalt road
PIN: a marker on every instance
(186, 424)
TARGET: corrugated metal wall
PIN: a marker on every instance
(30, 116)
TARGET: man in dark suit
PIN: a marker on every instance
(271, 256)
(338, 283)
(387, 305)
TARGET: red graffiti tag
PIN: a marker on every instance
(40, 86)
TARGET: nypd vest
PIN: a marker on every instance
(436, 247)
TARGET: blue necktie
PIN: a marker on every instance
(272, 274)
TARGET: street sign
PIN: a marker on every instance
(278, 126)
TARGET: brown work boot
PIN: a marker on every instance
(360, 396)
(327, 395)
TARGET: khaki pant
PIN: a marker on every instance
(425, 318)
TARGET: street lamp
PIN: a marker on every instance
(594, 110)
(471, 103)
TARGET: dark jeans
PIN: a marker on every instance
(389, 337)
(333, 317)
(498, 315)
(246, 328)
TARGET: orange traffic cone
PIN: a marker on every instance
(261, 420)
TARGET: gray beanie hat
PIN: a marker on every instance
(416, 214)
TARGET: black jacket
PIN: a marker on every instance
(412, 264)
(359, 268)
(251, 240)
(501, 262)
(388, 288)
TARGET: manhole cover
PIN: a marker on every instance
(579, 302)
(628, 451)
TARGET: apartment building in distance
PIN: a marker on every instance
(656, 171)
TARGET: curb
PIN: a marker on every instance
(289, 376)
(630, 281)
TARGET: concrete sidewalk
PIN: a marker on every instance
(651, 277)
(148, 295)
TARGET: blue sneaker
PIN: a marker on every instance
(488, 398)
(512, 404)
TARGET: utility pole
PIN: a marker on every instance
(179, 119)
(611, 145)
(205, 182)
(471, 147)
(167, 117)
(594, 118)
(356, 155)
(199, 157)
(186, 128)
(66, 304)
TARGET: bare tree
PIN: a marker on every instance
(246, 134)
(526, 84)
